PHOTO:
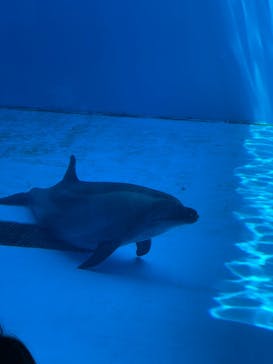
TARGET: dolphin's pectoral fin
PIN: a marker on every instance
(143, 247)
(103, 251)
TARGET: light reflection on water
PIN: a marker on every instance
(248, 297)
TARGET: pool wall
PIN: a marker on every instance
(190, 59)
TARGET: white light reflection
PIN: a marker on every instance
(249, 296)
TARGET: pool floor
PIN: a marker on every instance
(128, 310)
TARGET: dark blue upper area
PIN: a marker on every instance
(193, 58)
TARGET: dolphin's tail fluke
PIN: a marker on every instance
(18, 199)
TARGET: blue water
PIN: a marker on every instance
(175, 96)
(188, 59)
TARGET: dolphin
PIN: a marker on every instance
(98, 217)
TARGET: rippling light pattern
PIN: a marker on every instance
(249, 296)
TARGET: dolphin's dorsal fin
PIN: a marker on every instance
(70, 174)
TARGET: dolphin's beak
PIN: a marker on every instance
(192, 216)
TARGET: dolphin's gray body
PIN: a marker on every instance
(101, 216)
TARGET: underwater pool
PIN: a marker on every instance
(202, 294)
